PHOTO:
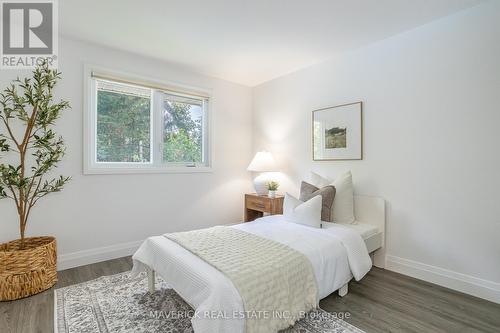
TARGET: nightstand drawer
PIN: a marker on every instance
(258, 203)
(256, 206)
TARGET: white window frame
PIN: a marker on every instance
(156, 165)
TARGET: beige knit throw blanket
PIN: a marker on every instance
(276, 283)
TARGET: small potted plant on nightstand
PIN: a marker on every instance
(29, 150)
(272, 186)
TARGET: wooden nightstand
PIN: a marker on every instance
(256, 206)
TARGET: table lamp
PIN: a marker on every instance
(262, 162)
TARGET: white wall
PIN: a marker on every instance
(431, 141)
(105, 210)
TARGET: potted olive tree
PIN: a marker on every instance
(29, 151)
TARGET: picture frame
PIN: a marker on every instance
(337, 132)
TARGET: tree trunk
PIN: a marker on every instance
(22, 227)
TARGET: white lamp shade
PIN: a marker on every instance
(263, 161)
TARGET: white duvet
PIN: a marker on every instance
(337, 253)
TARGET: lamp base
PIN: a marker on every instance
(260, 184)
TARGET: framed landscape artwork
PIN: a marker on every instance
(338, 132)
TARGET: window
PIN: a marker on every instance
(141, 127)
(182, 129)
(123, 123)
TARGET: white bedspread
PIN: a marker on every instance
(337, 254)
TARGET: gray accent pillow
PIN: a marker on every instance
(308, 191)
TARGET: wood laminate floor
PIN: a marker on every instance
(383, 301)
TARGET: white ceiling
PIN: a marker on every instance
(245, 41)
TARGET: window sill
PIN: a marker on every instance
(142, 170)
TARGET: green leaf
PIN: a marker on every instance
(4, 146)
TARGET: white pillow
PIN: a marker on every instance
(343, 204)
(307, 213)
(319, 181)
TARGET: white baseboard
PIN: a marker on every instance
(91, 256)
(471, 285)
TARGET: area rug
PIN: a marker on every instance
(122, 303)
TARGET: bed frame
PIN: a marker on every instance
(371, 210)
(368, 210)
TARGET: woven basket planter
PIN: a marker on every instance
(27, 271)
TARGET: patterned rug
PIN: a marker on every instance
(120, 303)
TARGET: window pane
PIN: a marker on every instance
(182, 129)
(123, 123)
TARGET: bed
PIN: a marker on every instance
(334, 252)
